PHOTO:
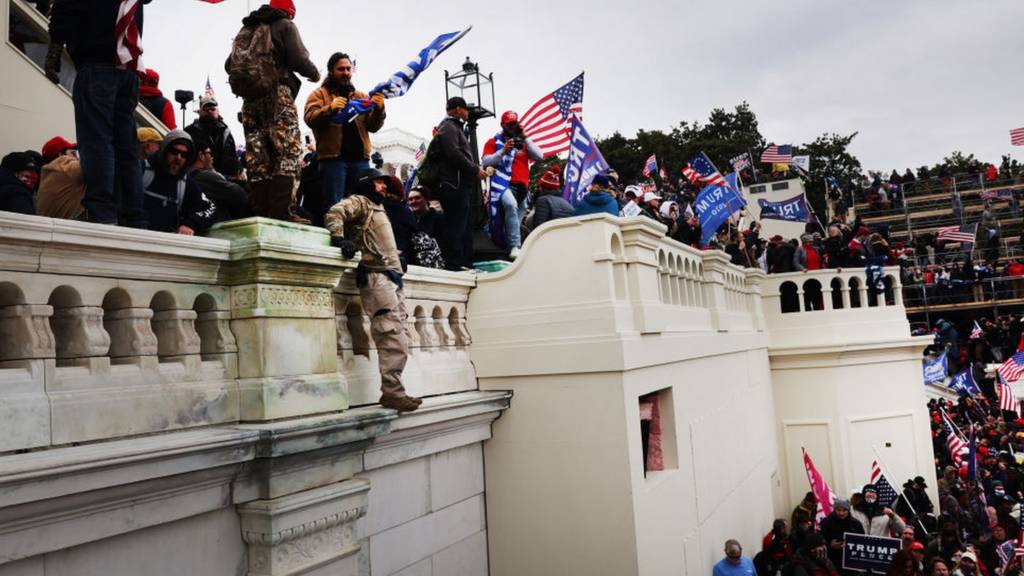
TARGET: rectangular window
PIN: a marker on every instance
(761, 189)
(780, 186)
(658, 432)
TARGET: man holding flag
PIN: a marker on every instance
(509, 152)
(343, 150)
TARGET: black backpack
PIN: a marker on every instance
(251, 68)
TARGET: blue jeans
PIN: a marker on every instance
(337, 176)
(512, 210)
(105, 99)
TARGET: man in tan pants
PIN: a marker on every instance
(359, 222)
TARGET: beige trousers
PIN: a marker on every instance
(385, 303)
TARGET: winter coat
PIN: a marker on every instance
(549, 207)
(154, 101)
(595, 202)
(806, 257)
(780, 258)
(170, 200)
(457, 163)
(87, 29)
(802, 565)
(876, 523)
(61, 188)
(365, 222)
(492, 156)
(329, 136)
(222, 144)
(14, 195)
(832, 528)
(231, 200)
(289, 51)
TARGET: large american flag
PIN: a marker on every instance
(127, 41)
(700, 169)
(1007, 401)
(1017, 137)
(886, 493)
(1011, 370)
(547, 122)
(778, 154)
(963, 233)
(954, 442)
(651, 166)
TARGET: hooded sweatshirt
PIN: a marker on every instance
(289, 51)
(174, 200)
(153, 99)
(597, 201)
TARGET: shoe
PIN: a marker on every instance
(400, 403)
(297, 219)
(513, 253)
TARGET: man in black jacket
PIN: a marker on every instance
(231, 200)
(459, 172)
(209, 126)
(19, 177)
(174, 202)
(105, 96)
(548, 202)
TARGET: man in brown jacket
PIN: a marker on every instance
(343, 150)
(359, 222)
(61, 184)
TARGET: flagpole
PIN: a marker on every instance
(885, 472)
(953, 424)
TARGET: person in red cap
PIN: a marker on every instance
(548, 202)
(61, 185)
(273, 144)
(510, 152)
(153, 99)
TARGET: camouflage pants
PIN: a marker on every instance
(384, 302)
(273, 145)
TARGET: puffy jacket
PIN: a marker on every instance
(14, 195)
(329, 135)
(87, 28)
(549, 207)
(879, 524)
(595, 202)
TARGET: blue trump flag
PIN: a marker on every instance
(963, 383)
(715, 204)
(585, 162)
(400, 82)
(794, 209)
(935, 370)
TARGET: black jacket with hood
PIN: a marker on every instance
(174, 200)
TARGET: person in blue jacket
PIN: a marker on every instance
(599, 198)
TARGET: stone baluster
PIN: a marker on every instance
(79, 334)
(176, 334)
(460, 330)
(846, 295)
(715, 289)
(424, 326)
(410, 327)
(25, 332)
(216, 341)
(131, 335)
(445, 338)
(753, 279)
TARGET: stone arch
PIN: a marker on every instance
(618, 267)
(854, 286)
(77, 329)
(163, 300)
(789, 301)
(837, 293)
(130, 328)
(11, 294)
(813, 297)
(890, 289)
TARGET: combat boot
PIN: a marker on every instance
(259, 197)
(400, 403)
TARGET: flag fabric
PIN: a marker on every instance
(1007, 401)
(128, 43)
(997, 194)
(801, 163)
(794, 209)
(651, 166)
(965, 233)
(976, 332)
(420, 152)
(963, 383)
(935, 370)
(499, 183)
(400, 82)
(662, 173)
(740, 162)
(585, 162)
(954, 442)
(972, 457)
(1006, 551)
(208, 90)
(820, 488)
(886, 493)
(1011, 370)
(715, 204)
(701, 169)
(1017, 137)
(778, 155)
(548, 121)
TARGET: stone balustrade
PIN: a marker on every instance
(109, 332)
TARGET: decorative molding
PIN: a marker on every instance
(288, 535)
(277, 300)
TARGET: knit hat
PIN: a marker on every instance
(552, 179)
(149, 136)
(284, 5)
(55, 147)
(18, 161)
(601, 180)
(841, 503)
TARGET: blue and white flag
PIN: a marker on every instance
(585, 162)
(500, 181)
(963, 383)
(935, 370)
(794, 209)
(715, 204)
(400, 82)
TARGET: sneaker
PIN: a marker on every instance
(400, 403)
(513, 253)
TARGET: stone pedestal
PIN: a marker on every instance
(282, 316)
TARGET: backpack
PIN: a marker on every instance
(429, 172)
(252, 69)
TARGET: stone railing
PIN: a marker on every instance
(108, 332)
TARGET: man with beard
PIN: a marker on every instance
(210, 127)
(838, 523)
(174, 202)
(343, 150)
(511, 152)
(877, 521)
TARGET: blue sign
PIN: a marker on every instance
(963, 383)
(862, 552)
(793, 210)
(715, 204)
(935, 370)
(585, 162)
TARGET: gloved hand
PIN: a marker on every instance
(338, 104)
(378, 100)
(403, 262)
(348, 247)
(53, 62)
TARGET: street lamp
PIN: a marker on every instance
(477, 89)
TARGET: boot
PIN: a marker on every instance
(258, 197)
(282, 200)
(400, 403)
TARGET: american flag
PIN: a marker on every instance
(1017, 137)
(954, 442)
(662, 173)
(976, 332)
(740, 162)
(1007, 401)
(886, 493)
(547, 121)
(1011, 370)
(965, 233)
(700, 169)
(778, 154)
(1007, 550)
(420, 152)
(128, 41)
(651, 166)
(208, 91)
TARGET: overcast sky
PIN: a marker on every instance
(917, 79)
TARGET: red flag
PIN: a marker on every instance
(820, 488)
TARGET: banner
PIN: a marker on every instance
(715, 204)
(585, 162)
(935, 370)
(802, 162)
(794, 209)
(740, 162)
(630, 209)
(862, 552)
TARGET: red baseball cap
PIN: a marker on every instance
(917, 546)
(509, 117)
(55, 147)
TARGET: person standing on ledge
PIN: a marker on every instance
(359, 222)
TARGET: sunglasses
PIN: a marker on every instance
(177, 152)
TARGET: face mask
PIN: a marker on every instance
(870, 499)
(968, 570)
(820, 554)
(1000, 492)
